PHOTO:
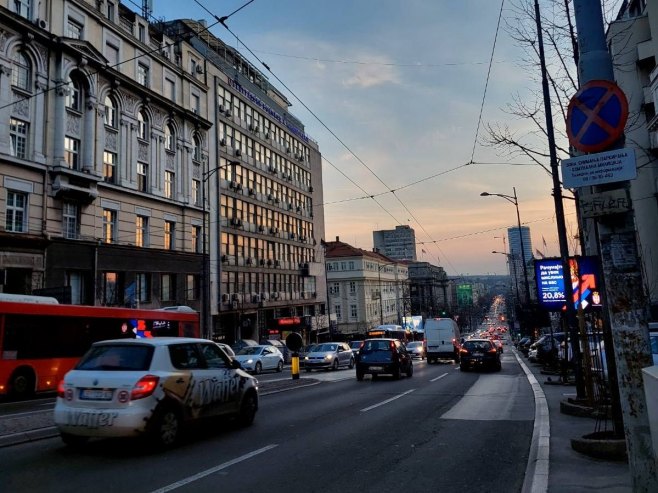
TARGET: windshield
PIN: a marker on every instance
(250, 350)
(322, 348)
(414, 344)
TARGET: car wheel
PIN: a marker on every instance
(359, 375)
(22, 384)
(396, 373)
(248, 409)
(258, 368)
(410, 371)
(279, 367)
(165, 430)
(74, 441)
(499, 366)
(334, 366)
(351, 363)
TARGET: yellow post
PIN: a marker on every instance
(294, 370)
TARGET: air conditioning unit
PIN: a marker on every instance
(238, 186)
(251, 191)
(310, 189)
(277, 200)
(249, 261)
(299, 208)
(165, 53)
(275, 295)
(225, 298)
(233, 184)
(262, 261)
(271, 169)
(261, 228)
(234, 305)
(199, 69)
(269, 262)
(222, 142)
(228, 113)
(303, 294)
(264, 296)
(303, 238)
(221, 108)
(270, 196)
(267, 135)
(255, 299)
(301, 158)
(274, 230)
(238, 152)
(236, 221)
(289, 207)
(256, 129)
(277, 263)
(235, 297)
(41, 23)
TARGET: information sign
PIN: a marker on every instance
(599, 168)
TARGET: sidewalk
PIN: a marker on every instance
(568, 471)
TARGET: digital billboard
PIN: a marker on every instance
(584, 275)
(464, 294)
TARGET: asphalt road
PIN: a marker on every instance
(441, 430)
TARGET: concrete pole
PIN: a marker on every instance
(626, 298)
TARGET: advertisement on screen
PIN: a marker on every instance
(584, 275)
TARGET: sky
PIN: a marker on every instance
(393, 92)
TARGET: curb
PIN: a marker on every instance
(536, 473)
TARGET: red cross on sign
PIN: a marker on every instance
(597, 116)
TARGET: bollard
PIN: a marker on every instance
(294, 343)
(294, 369)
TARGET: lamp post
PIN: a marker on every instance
(205, 269)
(513, 200)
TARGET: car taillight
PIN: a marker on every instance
(493, 350)
(60, 389)
(144, 387)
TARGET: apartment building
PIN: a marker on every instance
(398, 243)
(148, 164)
(365, 289)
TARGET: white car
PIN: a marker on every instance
(150, 387)
(259, 358)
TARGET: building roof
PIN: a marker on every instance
(337, 249)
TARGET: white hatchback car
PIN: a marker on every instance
(258, 358)
(150, 387)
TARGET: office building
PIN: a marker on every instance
(398, 243)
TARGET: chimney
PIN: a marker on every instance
(337, 238)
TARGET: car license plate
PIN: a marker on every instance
(96, 394)
(376, 368)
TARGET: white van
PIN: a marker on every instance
(442, 338)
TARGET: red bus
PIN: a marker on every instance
(41, 341)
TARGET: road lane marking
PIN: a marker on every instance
(26, 413)
(386, 401)
(438, 378)
(212, 470)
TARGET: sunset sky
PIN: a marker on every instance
(401, 85)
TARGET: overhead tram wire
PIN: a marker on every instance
(183, 37)
(322, 123)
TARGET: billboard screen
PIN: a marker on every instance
(584, 275)
(464, 294)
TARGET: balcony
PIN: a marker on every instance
(70, 184)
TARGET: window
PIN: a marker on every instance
(169, 184)
(141, 33)
(16, 214)
(110, 11)
(21, 71)
(112, 54)
(143, 287)
(196, 196)
(73, 96)
(74, 29)
(169, 138)
(18, 138)
(71, 152)
(196, 239)
(334, 288)
(23, 7)
(109, 166)
(76, 281)
(337, 311)
(167, 287)
(169, 235)
(170, 89)
(70, 220)
(196, 103)
(143, 74)
(353, 311)
(351, 265)
(142, 126)
(142, 177)
(109, 225)
(110, 112)
(196, 151)
(141, 231)
(192, 287)
(352, 287)
(110, 288)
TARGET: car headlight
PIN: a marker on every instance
(328, 357)
(249, 361)
(305, 357)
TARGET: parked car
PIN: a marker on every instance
(416, 349)
(258, 358)
(524, 346)
(149, 388)
(243, 343)
(383, 356)
(303, 352)
(547, 347)
(329, 355)
(227, 349)
(355, 345)
(479, 353)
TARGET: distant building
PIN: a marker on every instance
(398, 243)
(365, 289)
(429, 290)
(519, 254)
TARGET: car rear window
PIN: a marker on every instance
(477, 345)
(117, 357)
(382, 345)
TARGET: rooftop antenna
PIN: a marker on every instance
(147, 9)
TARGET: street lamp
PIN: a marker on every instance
(513, 199)
(205, 285)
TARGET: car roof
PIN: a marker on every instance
(154, 341)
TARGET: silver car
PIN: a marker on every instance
(329, 355)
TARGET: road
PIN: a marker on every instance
(442, 430)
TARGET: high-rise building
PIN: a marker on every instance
(520, 252)
(398, 243)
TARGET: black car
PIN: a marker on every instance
(479, 353)
(383, 356)
(524, 345)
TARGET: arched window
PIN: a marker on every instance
(21, 73)
(111, 119)
(73, 95)
(196, 151)
(169, 137)
(142, 126)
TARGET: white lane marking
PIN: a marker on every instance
(438, 378)
(26, 413)
(386, 401)
(213, 470)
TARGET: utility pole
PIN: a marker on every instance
(626, 299)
